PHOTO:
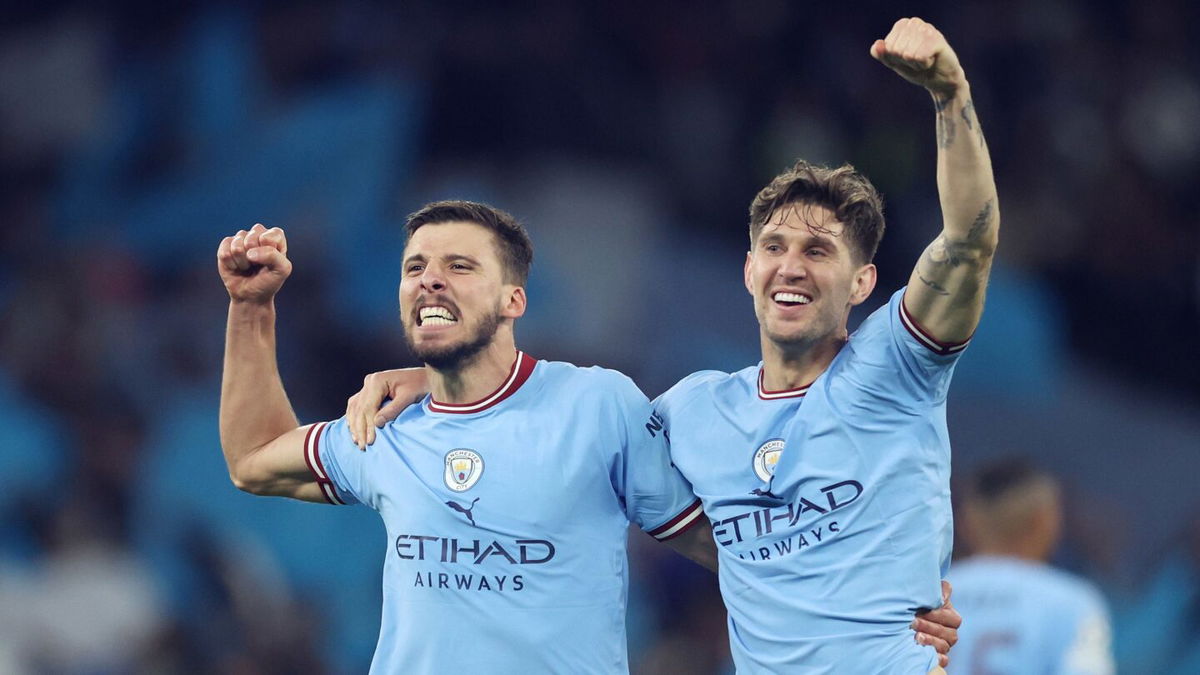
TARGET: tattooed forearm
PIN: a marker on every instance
(967, 111)
(945, 123)
(970, 119)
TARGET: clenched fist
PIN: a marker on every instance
(920, 54)
(254, 264)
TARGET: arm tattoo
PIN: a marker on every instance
(982, 220)
(968, 112)
(945, 123)
(933, 285)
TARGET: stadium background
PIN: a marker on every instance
(630, 137)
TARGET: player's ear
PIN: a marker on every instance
(746, 273)
(864, 283)
(514, 304)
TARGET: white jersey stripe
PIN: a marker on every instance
(684, 523)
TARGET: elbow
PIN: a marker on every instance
(243, 479)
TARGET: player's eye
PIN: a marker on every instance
(816, 252)
(459, 266)
(773, 248)
(414, 268)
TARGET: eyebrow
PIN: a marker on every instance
(811, 239)
(449, 257)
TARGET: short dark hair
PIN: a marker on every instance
(999, 478)
(513, 245)
(844, 191)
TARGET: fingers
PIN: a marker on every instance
(878, 50)
(935, 628)
(943, 659)
(256, 246)
(274, 237)
(390, 411)
(269, 258)
(237, 252)
(356, 419)
(225, 255)
(911, 42)
(361, 409)
(938, 644)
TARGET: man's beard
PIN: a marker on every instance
(456, 356)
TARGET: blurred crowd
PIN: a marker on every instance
(630, 137)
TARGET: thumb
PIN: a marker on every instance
(269, 257)
(878, 49)
(390, 411)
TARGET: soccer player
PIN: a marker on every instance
(506, 496)
(825, 469)
(1026, 616)
(828, 548)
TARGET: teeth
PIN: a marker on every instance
(791, 297)
(435, 316)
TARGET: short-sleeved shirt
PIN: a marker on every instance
(1027, 617)
(507, 519)
(830, 504)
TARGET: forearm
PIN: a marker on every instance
(254, 406)
(966, 187)
(948, 284)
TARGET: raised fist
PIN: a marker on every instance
(254, 264)
(920, 54)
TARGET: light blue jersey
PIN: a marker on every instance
(1026, 617)
(507, 518)
(830, 504)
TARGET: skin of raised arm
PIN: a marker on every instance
(945, 293)
(261, 438)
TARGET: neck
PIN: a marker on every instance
(796, 365)
(476, 377)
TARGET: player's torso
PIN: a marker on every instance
(508, 518)
(502, 498)
(807, 495)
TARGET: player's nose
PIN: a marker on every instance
(792, 267)
(432, 279)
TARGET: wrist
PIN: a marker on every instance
(252, 309)
(942, 94)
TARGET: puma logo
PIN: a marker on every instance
(759, 492)
(465, 510)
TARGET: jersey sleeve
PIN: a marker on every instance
(890, 349)
(655, 495)
(336, 463)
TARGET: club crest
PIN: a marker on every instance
(463, 469)
(765, 458)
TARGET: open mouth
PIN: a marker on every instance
(436, 315)
(789, 299)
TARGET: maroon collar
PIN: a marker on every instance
(522, 368)
(782, 393)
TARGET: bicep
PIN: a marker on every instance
(280, 468)
(945, 293)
